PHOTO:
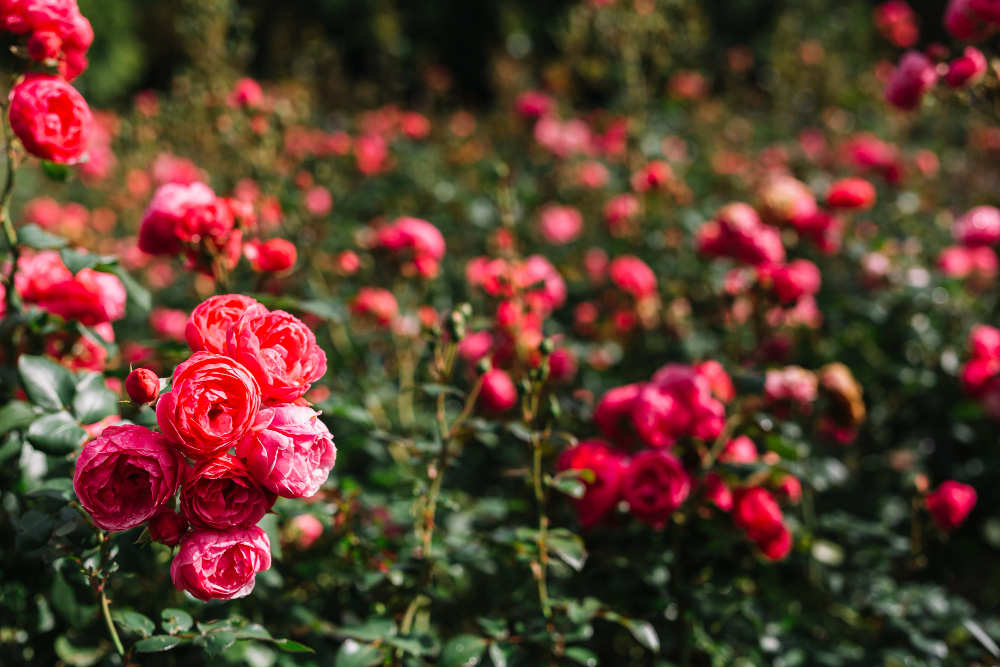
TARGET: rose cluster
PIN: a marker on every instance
(236, 433)
(976, 231)
(981, 374)
(659, 437)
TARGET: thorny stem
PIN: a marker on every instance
(13, 304)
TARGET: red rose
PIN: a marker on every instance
(272, 256)
(950, 504)
(167, 527)
(912, 78)
(279, 350)
(979, 226)
(739, 451)
(125, 475)
(292, 456)
(853, 193)
(210, 322)
(220, 493)
(220, 565)
(633, 276)
(211, 405)
(613, 413)
(498, 393)
(716, 491)
(608, 469)
(51, 118)
(92, 297)
(757, 512)
(655, 485)
(142, 386)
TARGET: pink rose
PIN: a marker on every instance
(757, 512)
(560, 225)
(211, 321)
(677, 402)
(160, 229)
(716, 491)
(913, 77)
(851, 193)
(220, 565)
(376, 304)
(655, 485)
(213, 402)
(279, 350)
(272, 256)
(51, 118)
(220, 493)
(950, 504)
(498, 393)
(167, 527)
(740, 451)
(304, 530)
(92, 297)
(967, 69)
(124, 476)
(794, 280)
(633, 276)
(979, 226)
(608, 468)
(613, 413)
(293, 455)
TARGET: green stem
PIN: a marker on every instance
(106, 612)
(543, 527)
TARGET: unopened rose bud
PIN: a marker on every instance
(142, 386)
(44, 45)
(167, 527)
(547, 346)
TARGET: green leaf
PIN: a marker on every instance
(569, 547)
(205, 628)
(253, 631)
(56, 434)
(157, 643)
(75, 260)
(48, 385)
(374, 629)
(16, 415)
(175, 620)
(139, 295)
(94, 401)
(64, 601)
(497, 655)
(292, 647)
(35, 237)
(582, 656)
(216, 642)
(644, 633)
(353, 654)
(34, 529)
(436, 389)
(461, 649)
(571, 482)
(135, 623)
(58, 488)
(77, 656)
(60, 173)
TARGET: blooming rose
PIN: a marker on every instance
(376, 304)
(293, 454)
(950, 504)
(967, 69)
(220, 493)
(498, 393)
(167, 527)
(913, 77)
(757, 512)
(605, 491)
(271, 256)
(92, 297)
(560, 225)
(978, 226)
(794, 280)
(632, 275)
(125, 475)
(142, 386)
(159, 231)
(212, 403)
(210, 322)
(51, 118)
(718, 379)
(613, 413)
(961, 21)
(852, 193)
(221, 565)
(677, 402)
(787, 200)
(737, 232)
(279, 350)
(739, 450)
(655, 485)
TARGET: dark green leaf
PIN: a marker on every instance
(157, 643)
(136, 292)
(582, 656)
(16, 415)
(35, 237)
(292, 647)
(373, 630)
(59, 488)
(175, 620)
(94, 401)
(570, 482)
(136, 623)
(56, 434)
(58, 172)
(644, 633)
(34, 530)
(216, 642)
(48, 385)
(253, 631)
(461, 649)
(353, 654)
(569, 547)
(75, 260)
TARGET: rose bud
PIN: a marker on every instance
(210, 407)
(756, 511)
(966, 70)
(293, 454)
(533, 103)
(125, 475)
(348, 262)
(655, 485)
(950, 504)
(304, 530)
(279, 350)
(912, 78)
(853, 193)
(776, 545)
(790, 488)
(739, 451)
(633, 276)
(716, 491)
(608, 469)
(220, 493)
(375, 304)
(220, 565)
(498, 393)
(210, 322)
(44, 45)
(979, 226)
(272, 256)
(167, 527)
(613, 413)
(51, 118)
(142, 386)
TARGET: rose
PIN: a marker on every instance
(304, 530)
(220, 565)
(979, 226)
(716, 491)
(210, 322)
(375, 304)
(633, 276)
(784, 199)
(950, 504)
(92, 297)
(739, 451)
(605, 490)
(613, 413)
(279, 350)
(220, 493)
(125, 475)
(677, 402)
(498, 393)
(293, 454)
(912, 78)
(560, 225)
(159, 231)
(211, 405)
(167, 527)
(718, 380)
(655, 485)
(794, 280)
(851, 193)
(968, 69)
(272, 256)
(757, 512)
(142, 386)
(51, 118)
